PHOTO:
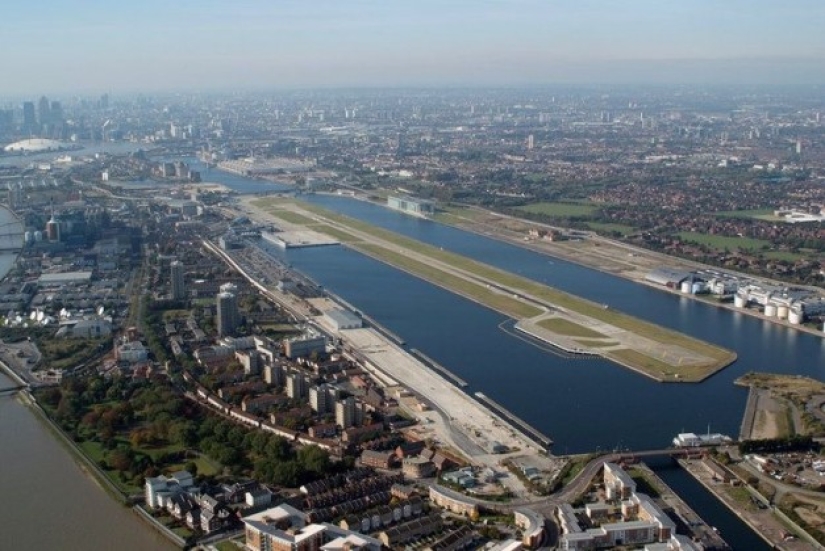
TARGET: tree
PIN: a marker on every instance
(120, 459)
(314, 460)
(278, 448)
(183, 433)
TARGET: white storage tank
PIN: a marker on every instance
(770, 310)
(782, 311)
(795, 317)
(697, 287)
(686, 287)
(28, 237)
(38, 236)
(739, 301)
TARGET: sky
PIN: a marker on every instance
(75, 46)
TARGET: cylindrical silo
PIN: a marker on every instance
(770, 310)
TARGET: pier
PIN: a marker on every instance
(438, 367)
(749, 417)
(513, 418)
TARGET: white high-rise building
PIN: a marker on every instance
(348, 413)
(297, 385)
(322, 398)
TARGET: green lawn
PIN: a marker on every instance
(722, 242)
(95, 452)
(229, 545)
(291, 217)
(562, 210)
(606, 227)
(462, 214)
(205, 466)
(662, 370)
(268, 202)
(786, 255)
(590, 343)
(340, 235)
(742, 497)
(569, 328)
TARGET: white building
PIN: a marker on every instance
(132, 352)
(158, 488)
(297, 386)
(343, 319)
(348, 413)
(284, 527)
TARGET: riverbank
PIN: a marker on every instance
(52, 500)
(93, 471)
(761, 520)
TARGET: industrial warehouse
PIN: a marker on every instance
(795, 305)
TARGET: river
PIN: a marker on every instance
(49, 501)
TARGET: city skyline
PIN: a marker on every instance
(76, 47)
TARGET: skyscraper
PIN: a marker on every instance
(29, 121)
(176, 280)
(227, 303)
(44, 113)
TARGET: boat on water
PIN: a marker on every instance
(692, 440)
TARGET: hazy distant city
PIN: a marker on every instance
(433, 276)
(155, 240)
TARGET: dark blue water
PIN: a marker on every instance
(582, 404)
